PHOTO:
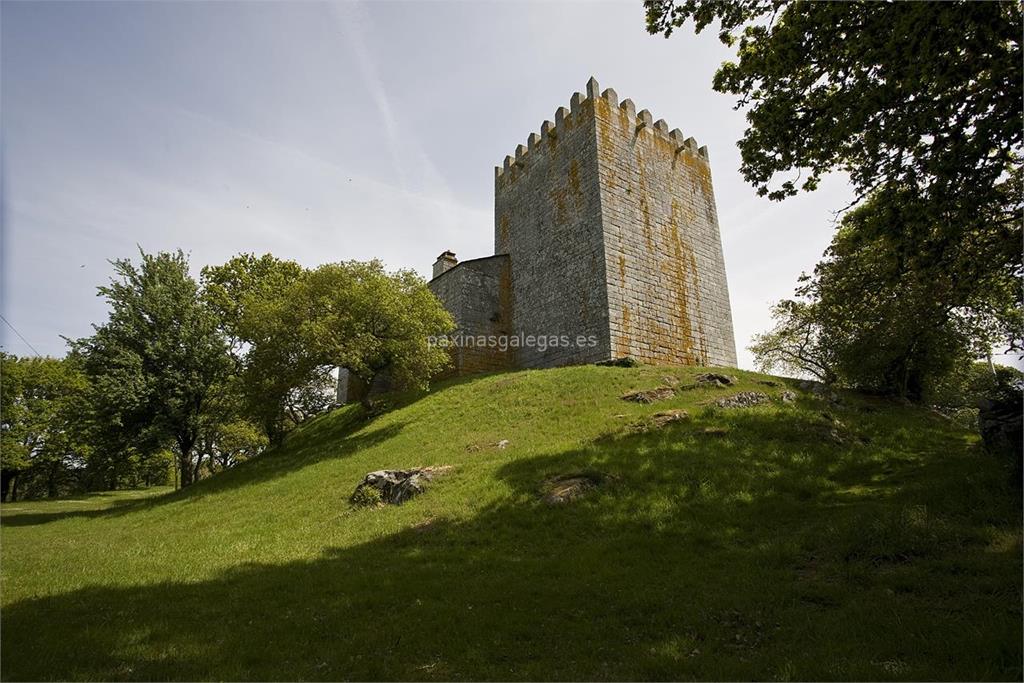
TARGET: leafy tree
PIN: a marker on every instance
(969, 383)
(40, 437)
(880, 316)
(925, 95)
(794, 346)
(360, 317)
(156, 364)
(921, 104)
(279, 379)
(233, 442)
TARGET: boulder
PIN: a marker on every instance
(788, 397)
(394, 487)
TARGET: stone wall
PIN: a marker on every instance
(667, 290)
(547, 215)
(611, 225)
(478, 294)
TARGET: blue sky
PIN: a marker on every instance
(326, 132)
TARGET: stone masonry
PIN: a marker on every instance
(478, 293)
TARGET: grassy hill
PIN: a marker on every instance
(865, 540)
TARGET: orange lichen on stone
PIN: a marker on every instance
(503, 229)
(623, 345)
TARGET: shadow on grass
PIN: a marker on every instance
(736, 556)
(13, 517)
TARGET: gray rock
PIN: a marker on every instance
(744, 399)
(394, 487)
(568, 487)
(650, 395)
(716, 379)
(788, 397)
(668, 416)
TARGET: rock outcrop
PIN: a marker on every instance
(394, 487)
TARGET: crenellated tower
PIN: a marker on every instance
(609, 221)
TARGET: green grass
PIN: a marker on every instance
(768, 551)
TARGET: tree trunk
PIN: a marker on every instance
(185, 445)
(365, 398)
(51, 481)
(198, 467)
(14, 487)
(6, 479)
(186, 470)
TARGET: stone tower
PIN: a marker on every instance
(609, 222)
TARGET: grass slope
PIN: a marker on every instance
(768, 551)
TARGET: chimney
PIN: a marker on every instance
(445, 262)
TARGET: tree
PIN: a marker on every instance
(925, 95)
(921, 104)
(279, 378)
(234, 442)
(794, 346)
(888, 311)
(41, 440)
(156, 364)
(360, 317)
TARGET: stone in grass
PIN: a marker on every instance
(715, 431)
(656, 421)
(624, 362)
(744, 399)
(716, 379)
(668, 416)
(566, 488)
(788, 397)
(650, 395)
(394, 487)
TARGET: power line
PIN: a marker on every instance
(22, 338)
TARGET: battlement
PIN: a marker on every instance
(642, 122)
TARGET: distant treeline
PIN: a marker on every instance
(187, 378)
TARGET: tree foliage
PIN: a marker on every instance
(878, 318)
(207, 375)
(795, 345)
(925, 95)
(279, 379)
(921, 105)
(158, 362)
(367, 320)
(41, 438)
